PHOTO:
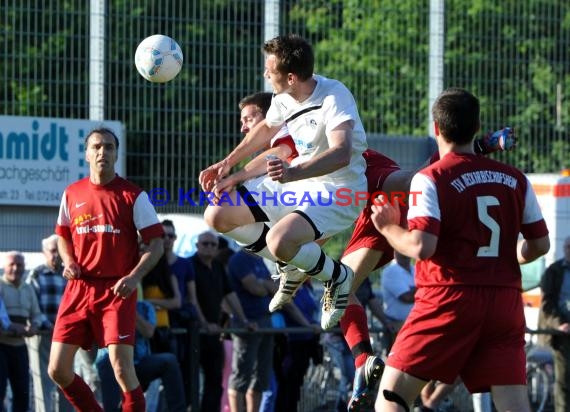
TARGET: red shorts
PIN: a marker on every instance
(475, 332)
(365, 235)
(90, 312)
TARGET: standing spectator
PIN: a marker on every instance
(212, 286)
(468, 318)
(301, 347)
(185, 317)
(99, 220)
(148, 366)
(48, 283)
(25, 318)
(555, 314)
(398, 290)
(251, 357)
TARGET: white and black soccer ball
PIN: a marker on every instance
(158, 58)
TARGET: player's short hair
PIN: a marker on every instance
(294, 55)
(103, 130)
(167, 222)
(48, 241)
(262, 100)
(457, 112)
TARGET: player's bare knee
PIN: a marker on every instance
(280, 246)
(217, 220)
(60, 376)
(392, 396)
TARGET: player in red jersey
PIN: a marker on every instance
(463, 230)
(98, 222)
(366, 251)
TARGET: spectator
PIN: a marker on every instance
(555, 314)
(25, 318)
(212, 286)
(301, 348)
(398, 290)
(252, 361)
(185, 317)
(160, 288)
(48, 283)
(148, 366)
(224, 254)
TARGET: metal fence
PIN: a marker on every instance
(512, 54)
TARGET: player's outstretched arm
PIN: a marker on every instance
(256, 167)
(258, 138)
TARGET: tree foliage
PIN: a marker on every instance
(512, 54)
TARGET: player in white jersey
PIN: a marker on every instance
(299, 201)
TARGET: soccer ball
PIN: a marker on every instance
(158, 58)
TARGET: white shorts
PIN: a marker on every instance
(317, 200)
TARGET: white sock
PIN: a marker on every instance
(248, 234)
(307, 260)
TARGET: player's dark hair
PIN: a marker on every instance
(456, 112)
(168, 222)
(262, 100)
(103, 130)
(294, 55)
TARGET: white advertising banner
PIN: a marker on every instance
(40, 156)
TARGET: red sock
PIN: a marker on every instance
(354, 327)
(79, 394)
(133, 401)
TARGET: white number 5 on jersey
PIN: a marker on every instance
(483, 204)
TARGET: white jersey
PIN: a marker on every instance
(311, 121)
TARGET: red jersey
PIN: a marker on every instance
(102, 223)
(477, 207)
(283, 137)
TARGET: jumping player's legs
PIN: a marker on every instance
(292, 240)
(295, 228)
(366, 251)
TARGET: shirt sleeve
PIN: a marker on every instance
(145, 218)
(533, 224)
(4, 318)
(63, 225)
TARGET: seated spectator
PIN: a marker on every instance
(160, 289)
(25, 320)
(148, 366)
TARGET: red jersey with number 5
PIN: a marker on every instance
(477, 207)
